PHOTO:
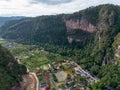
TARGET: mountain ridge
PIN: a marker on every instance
(5, 19)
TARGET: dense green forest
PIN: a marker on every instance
(10, 70)
(95, 51)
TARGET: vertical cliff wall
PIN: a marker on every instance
(83, 24)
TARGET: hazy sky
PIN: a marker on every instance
(47, 7)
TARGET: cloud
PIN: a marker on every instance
(47, 7)
(51, 2)
(5, 0)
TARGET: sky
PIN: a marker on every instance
(34, 8)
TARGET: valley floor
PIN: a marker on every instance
(48, 71)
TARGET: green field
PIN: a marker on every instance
(33, 58)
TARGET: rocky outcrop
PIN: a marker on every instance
(117, 54)
(70, 39)
(82, 24)
(85, 25)
(73, 38)
(112, 18)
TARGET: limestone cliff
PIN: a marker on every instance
(83, 24)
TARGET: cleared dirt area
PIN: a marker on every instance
(29, 82)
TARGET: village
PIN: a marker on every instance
(66, 75)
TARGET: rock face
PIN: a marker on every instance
(80, 24)
(112, 18)
(117, 54)
(74, 38)
(70, 39)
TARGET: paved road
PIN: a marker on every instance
(81, 70)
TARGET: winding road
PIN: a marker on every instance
(31, 81)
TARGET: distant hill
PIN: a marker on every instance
(4, 19)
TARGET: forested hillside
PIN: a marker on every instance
(44, 29)
(10, 70)
(90, 37)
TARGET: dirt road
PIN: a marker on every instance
(31, 82)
